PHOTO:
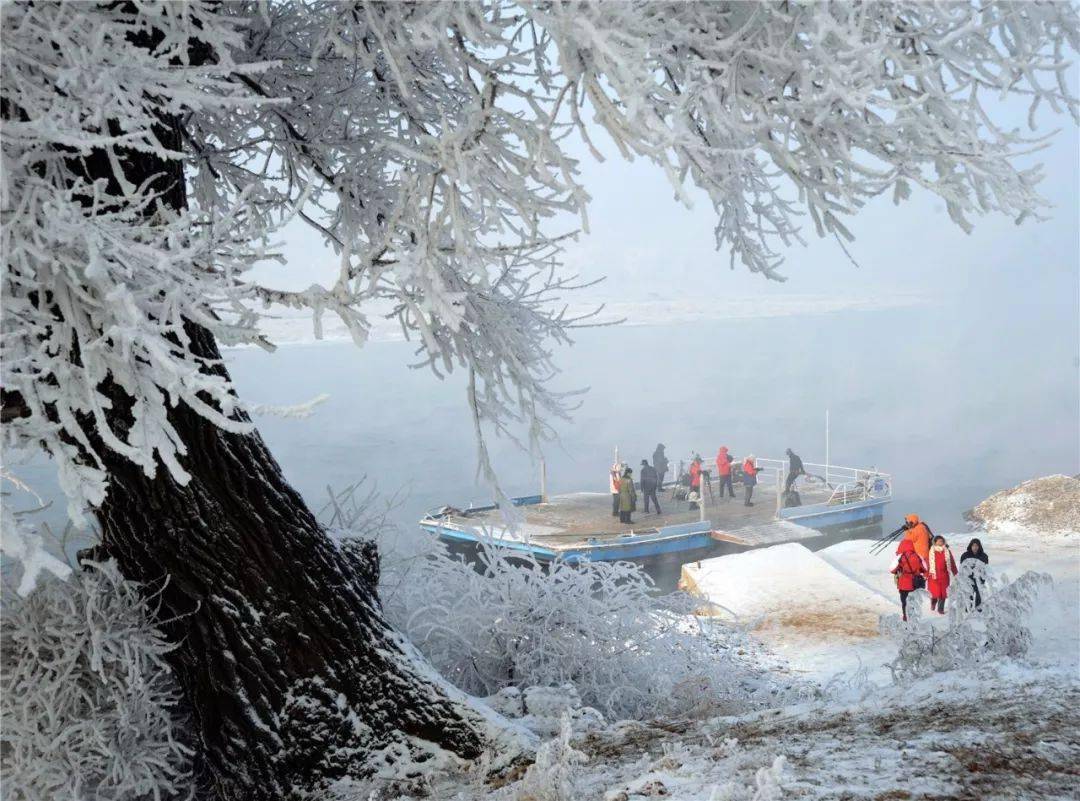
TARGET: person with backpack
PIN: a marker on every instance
(909, 572)
(919, 533)
(938, 567)
(627, 496)
(749, 477)
(649, 481)
(975, 552)
(723, 470)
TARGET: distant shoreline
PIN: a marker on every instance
(285, 328)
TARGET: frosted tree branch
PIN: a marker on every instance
(427, 144)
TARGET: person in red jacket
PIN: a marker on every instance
(909, 571)
(695, 480)
(938, 567)
(749, 477)
(723, 469)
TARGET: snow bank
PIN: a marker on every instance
(788, 586)
(854, 560)
(1049, 506)
(957, 735)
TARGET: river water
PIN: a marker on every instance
(952, 404)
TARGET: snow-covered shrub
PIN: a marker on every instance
(999, 627)
(599, 626)
(89, 704)
(768, 785)
(552, 776)
(511, 622)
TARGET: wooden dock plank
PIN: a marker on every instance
(573, 519)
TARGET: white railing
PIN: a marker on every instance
(844, 484)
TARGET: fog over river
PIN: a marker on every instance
(955, 402)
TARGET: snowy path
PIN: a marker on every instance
(998, 737)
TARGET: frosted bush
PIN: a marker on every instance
(88, 702)
(972, 635)
(552, 776)
(510, 622)
(599, 626)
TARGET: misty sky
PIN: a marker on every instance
(650, 245)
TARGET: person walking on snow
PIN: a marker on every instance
(919, 534)
(649, 481)
(975, 551)
(627, 497)
(660, 462)
(909, 571)
(938, 567)
(795, 469)
(750, 471)
(723, 470)
(613, 485)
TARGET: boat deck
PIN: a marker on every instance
(584, 518)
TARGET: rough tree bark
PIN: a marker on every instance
(292, 674)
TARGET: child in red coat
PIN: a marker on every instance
(939, 566)
(909, 570)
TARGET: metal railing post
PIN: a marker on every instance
(701, 497)
(779, 478)
(826, 446)
(543, 480)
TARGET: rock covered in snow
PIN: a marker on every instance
(1048, 505)
(542, 709)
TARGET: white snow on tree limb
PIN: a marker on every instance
(427, 144)
(23, 544)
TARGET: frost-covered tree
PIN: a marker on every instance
(152, 150)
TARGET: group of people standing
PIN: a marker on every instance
(651, 480)
(724, 462)
(924, 560)
(623, 491)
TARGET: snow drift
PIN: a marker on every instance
(787, 586)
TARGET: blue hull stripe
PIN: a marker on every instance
(666, 540)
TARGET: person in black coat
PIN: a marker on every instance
(649, 481)
(660, 463)
(795, 469)
(975, 551)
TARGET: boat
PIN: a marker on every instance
(579, 526)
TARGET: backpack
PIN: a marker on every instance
(917, 578)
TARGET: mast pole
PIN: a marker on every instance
(826, 446)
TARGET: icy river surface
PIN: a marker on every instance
(928, 394)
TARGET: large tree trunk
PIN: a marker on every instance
(292, 674)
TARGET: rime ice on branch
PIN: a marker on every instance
(426, 143)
